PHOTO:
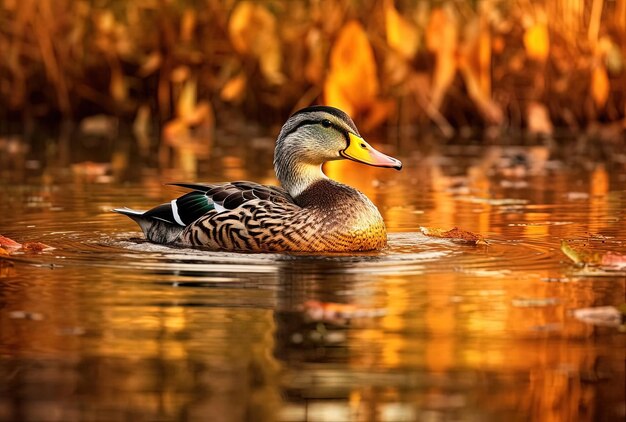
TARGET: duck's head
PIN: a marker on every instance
(317, 134)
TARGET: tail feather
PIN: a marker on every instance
(154, 228)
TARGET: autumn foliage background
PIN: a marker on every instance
(174, 68)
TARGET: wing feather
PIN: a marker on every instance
(224, 197)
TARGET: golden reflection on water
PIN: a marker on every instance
(477, 335)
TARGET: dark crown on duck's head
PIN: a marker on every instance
(318, 115)
(330, 110)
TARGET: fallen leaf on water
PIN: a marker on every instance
(572, 253)
(35, 247)
(8, 244)
(584, 257)
(456, 235)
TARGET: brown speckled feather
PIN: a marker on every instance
(328, 216)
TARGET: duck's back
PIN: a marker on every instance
(327, 216)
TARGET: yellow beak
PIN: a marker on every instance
(361, 151)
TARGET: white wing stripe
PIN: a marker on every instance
(175, 213)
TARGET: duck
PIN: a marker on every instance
(308, 212)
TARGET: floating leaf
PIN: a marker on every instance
(455, 234)
(571, 253)
(35, 247)
(9, 244)
(583, 256)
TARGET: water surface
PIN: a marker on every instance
(109, 327)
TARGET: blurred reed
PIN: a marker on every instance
(446, 65)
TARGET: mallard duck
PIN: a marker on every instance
(308, 213)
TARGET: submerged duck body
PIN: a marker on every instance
(307, 213)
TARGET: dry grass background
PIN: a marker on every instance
(447, 65)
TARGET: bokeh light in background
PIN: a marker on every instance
(508, 115)
(181, 67)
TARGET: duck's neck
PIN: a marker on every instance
(295, 178)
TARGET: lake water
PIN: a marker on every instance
(108, 327)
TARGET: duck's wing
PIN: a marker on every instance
(218, 197)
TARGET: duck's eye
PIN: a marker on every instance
(326, 123)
